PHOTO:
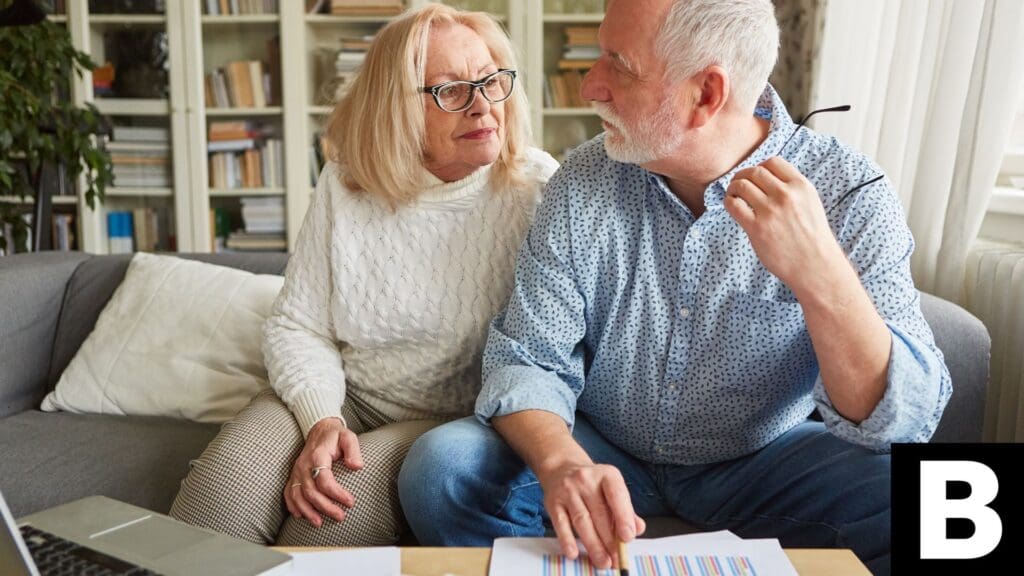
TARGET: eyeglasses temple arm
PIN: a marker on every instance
(858, 187)
(843, 108)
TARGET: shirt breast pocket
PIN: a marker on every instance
(766, 342)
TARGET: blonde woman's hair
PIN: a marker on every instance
(377, 131)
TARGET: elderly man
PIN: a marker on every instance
(697, 281)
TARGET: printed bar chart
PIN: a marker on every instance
(644, 565)
(558, 565)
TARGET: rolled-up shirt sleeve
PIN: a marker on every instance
(918, 387)
(534, 354)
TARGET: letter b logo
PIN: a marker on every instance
(948, 509)
(936, 508)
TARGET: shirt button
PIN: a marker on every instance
(695, 234)
(659, 450)
(671, 386)
(684, 312)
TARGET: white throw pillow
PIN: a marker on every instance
(178, 338)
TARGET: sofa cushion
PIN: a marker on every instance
(95, 281)
(32, 288)
(178, 338)
(54, 458)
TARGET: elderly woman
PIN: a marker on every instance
(405, 255)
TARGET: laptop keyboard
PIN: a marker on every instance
(55, 556)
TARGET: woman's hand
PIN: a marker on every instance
(309, 497)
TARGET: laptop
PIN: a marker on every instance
(98, 535)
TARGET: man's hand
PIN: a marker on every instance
(308, 497)
(591, 501)
(787, 226)
(783, 216)
(581, 497)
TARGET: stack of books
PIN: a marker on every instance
(241, 84)
(103, 81)
(147, 229)
(367, 7)
(135, 230)
(242, 156)
(264, 221)
(230, 7)
(141, 156)
(348, 61)
(580, 51)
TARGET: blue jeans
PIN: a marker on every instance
(462, 485)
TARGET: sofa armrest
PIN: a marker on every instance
(31, 294)
(966, 345)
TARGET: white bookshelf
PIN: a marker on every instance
(198, 42)
(87, 33)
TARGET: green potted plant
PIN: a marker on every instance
(39, 123)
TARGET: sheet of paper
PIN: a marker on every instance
(697, 537)
(382, 561)
(725, 557)
(695, 554)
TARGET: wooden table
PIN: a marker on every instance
(424, 561)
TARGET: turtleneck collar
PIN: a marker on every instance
(453, 195)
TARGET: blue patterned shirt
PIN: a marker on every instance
(668, 333)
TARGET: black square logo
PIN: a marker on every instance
(956, 506)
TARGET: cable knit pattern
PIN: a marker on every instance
(394, 306)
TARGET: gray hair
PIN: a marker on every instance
(741, 36)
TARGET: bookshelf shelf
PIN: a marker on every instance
(320, 110)
(570, 112)
(573, 18)
(61, 200)
(57, 18)
(327, 19)
(128, 19)
(133, 106)
(229, 112)
(237, 192)
(241, 19)
(127, 192)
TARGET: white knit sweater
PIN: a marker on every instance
(395, 306)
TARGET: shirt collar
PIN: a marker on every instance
(769, 107)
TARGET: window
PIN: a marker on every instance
(1012, 172)
(1005, 215)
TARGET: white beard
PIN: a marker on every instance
(654, 138)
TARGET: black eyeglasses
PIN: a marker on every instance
(458, 95)
(844, 108)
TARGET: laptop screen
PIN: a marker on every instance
(14, 556)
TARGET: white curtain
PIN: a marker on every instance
(934, 86)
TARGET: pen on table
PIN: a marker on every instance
(623, 560)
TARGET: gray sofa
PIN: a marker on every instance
(49, 303)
